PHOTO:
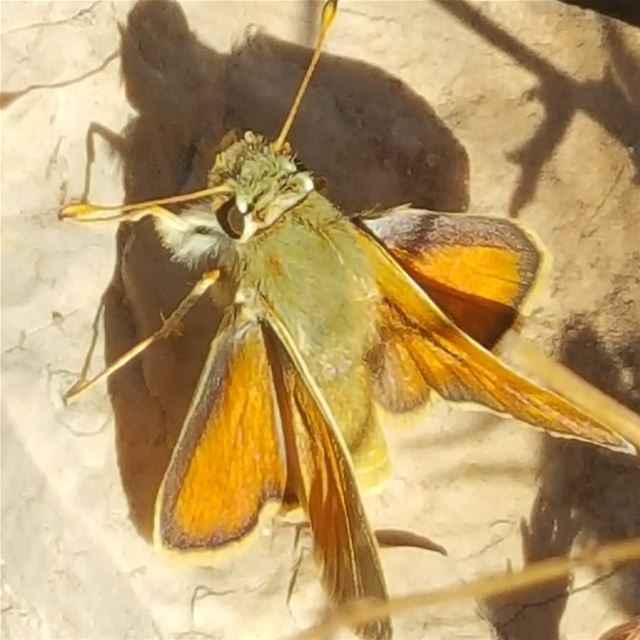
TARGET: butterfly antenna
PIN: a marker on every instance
(328, 14)
(86, 212)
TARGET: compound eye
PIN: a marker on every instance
(231, 219)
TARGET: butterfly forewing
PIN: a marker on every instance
(344, 545)
(229, 464)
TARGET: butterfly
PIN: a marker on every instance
(336, 322)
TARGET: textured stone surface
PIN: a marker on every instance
(526, 108)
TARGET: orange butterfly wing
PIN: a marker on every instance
(228, 469)
(479, 270)
(461, 370)
(344, 545)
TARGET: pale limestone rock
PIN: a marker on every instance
(522, 107)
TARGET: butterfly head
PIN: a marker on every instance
(263, 182)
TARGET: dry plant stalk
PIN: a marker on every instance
(363, 611)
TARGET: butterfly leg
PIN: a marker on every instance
(297, 548)
(115, 141)
(95, 332)
(171, 325)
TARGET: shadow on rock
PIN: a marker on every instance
(612, 100)
(585, 491)
(375, 142)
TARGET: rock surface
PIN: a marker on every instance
(525, 108)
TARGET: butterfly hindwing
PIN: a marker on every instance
(479, 270)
